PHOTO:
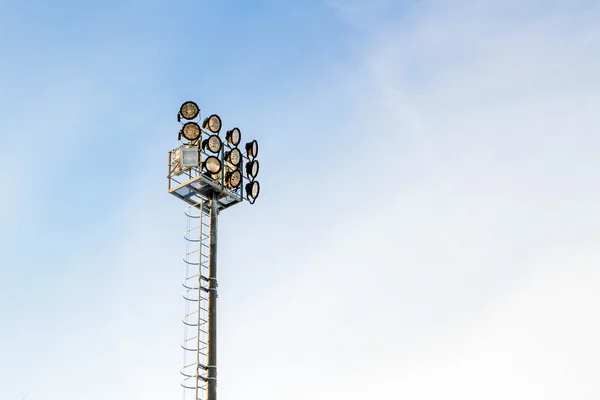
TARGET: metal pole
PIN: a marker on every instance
(212, 300)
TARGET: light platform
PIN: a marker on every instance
(195, 187)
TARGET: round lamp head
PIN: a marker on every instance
(191, 131)
(253, 190)
(213, 143)
(212, 165)
(252, 169)
(252, 149)
(189, 110)
(213, 123)
(234, 136)
(234, 156)
(233, 178)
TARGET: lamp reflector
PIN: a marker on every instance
(213, 143)
(252, 169)
(234, 136)
(253, 190)
(191, 131)
(213, 123)
(212, 165)
(189, 110)
(252, 149)
(233, 178)
(234, 156)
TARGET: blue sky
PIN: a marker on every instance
(428, 223)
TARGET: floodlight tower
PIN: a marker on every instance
(210, 175)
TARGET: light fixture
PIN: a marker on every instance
(213, 123)
(252, 149)
(189, 110)
(234, 136)
(252, 190)
(252, 169)
(233, 178)
(191, 131)
(213, 143)
(212, 165)
(189, 157)
(234, 156)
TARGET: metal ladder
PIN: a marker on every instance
(195, 294)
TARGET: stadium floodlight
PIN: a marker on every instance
(212, 165)
(234, 136)
(234, 156)
(233, 178)
(210, 174)
(212, 123)
(252, 149)
(213, 143)
(252, 190)
(191, 131)
(252, 169)
(189, 110)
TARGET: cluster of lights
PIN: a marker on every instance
(222, 160)
(252, 167)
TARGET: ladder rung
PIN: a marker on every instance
(198, 275)
(192, 338)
